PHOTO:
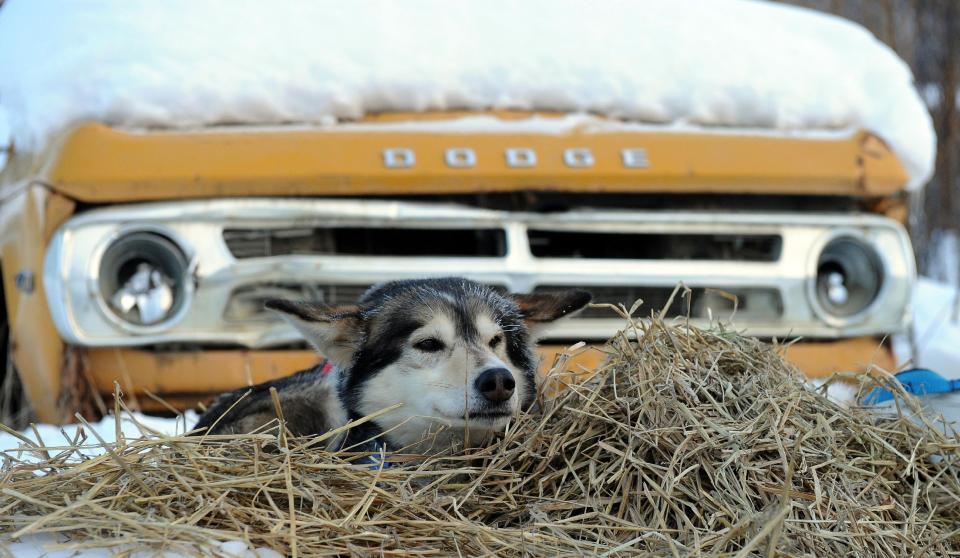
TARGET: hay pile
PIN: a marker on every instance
(686, 442)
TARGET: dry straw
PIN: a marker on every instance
(685, 443)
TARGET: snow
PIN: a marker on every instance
(932, 94)
(557, 125)
(838, 392)
(935, 329)
(944, 257)
(43, 546)
(936, 334)
(132, 426)
(722, 64)
(5, 137)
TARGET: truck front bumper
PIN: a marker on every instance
(185, 379)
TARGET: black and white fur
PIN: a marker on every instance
(455, 354)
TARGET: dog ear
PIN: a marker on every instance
(335, 331)
(539, 310)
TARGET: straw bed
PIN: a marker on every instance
(686, 442)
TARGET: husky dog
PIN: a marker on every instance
(456, 355)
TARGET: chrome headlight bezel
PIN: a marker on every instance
(186, 292)
(864, 237)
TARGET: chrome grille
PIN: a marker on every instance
(248, 249)
(654, 246)
(365, 241)
(717, 302)
(247, 302)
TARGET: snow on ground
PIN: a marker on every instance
(935, 330)
(132, 425)
(935, 336)
(43, 546)
(710, 63)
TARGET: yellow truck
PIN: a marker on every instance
(143, 257)
(164, 170)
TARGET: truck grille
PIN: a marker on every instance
(365, 241)
(750, 303)
(248, 250)
(654, 246)
(246, 303)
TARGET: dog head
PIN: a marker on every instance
(455, 354)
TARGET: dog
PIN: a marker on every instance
(457, 356)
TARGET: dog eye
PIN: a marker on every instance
(495, 342)
(429, 345)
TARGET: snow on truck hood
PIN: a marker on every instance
(694, 63)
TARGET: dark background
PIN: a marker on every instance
(926, 34)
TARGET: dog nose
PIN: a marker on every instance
(496, 384)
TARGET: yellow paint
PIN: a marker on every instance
(859, 354)
(194, 376)
(27, 220)
(101, 164)
(212, 371)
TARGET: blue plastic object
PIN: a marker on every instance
(377, 457)
(916, 381)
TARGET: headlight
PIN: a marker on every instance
(849, 277)
(144, 278)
